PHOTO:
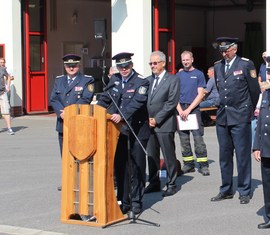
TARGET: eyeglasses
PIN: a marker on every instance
(154, 63)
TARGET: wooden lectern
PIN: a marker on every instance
(89, 145)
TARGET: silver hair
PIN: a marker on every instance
(161, 55)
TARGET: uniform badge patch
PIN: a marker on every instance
(253, 73)
(142, 90)
(90, 87)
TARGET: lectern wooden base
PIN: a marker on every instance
(90, 140)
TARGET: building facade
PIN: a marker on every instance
(37, 33)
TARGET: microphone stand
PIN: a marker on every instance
(103, 63)
(131, 215)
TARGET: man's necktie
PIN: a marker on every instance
(156, 83)
(69, 81)
(227, 66)
(123, 84)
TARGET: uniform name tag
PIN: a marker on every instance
(238, 72)
(78, 88)
(131, 90)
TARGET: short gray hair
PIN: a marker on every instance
(161, 55)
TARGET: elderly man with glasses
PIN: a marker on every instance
(239, 91)
(163, 97)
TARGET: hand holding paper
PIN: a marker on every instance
(191, 123)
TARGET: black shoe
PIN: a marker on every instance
(204, 170)
(124, 209)
(169, 192)
(244, 199)
(59, 188)
(179, 168)
(264, 225)
(151, 188)
(221, 197)
(188, 169)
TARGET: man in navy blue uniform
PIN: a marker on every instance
(261, 148)
(72, 88)
(239, 90)
(129, 92)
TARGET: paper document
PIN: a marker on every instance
(190, 124)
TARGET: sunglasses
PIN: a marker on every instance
(154, 63)
(71, 65)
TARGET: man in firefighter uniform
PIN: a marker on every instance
(129, 91)
(239, 90)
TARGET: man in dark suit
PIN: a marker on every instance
(72, 88)
(239, 90)
(163, 97)
(130, 94)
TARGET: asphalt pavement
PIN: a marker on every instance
(30, 172)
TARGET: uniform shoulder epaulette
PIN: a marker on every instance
(243, 58)
(59, 76)
(218, 61)
(141, 76)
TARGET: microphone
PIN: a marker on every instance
(116, 83)
(268, 59)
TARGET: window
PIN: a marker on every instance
(2, 50)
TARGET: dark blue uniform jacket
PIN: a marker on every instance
(131, 100)
(80, 91)
(238, 90)
(262, 135)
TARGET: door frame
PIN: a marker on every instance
(28, 73)
(169, 30)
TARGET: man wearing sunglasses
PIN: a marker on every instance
(239, 91)
(71, 88)
(163, 98)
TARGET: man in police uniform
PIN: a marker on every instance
(239, 91)
(72, 88)
(130, 94)
(261, 152)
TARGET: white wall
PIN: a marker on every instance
(10, 35)
(132, 32)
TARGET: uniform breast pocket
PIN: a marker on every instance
(115, 94)
(78, 94)
(128, 95)
(240, 81)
